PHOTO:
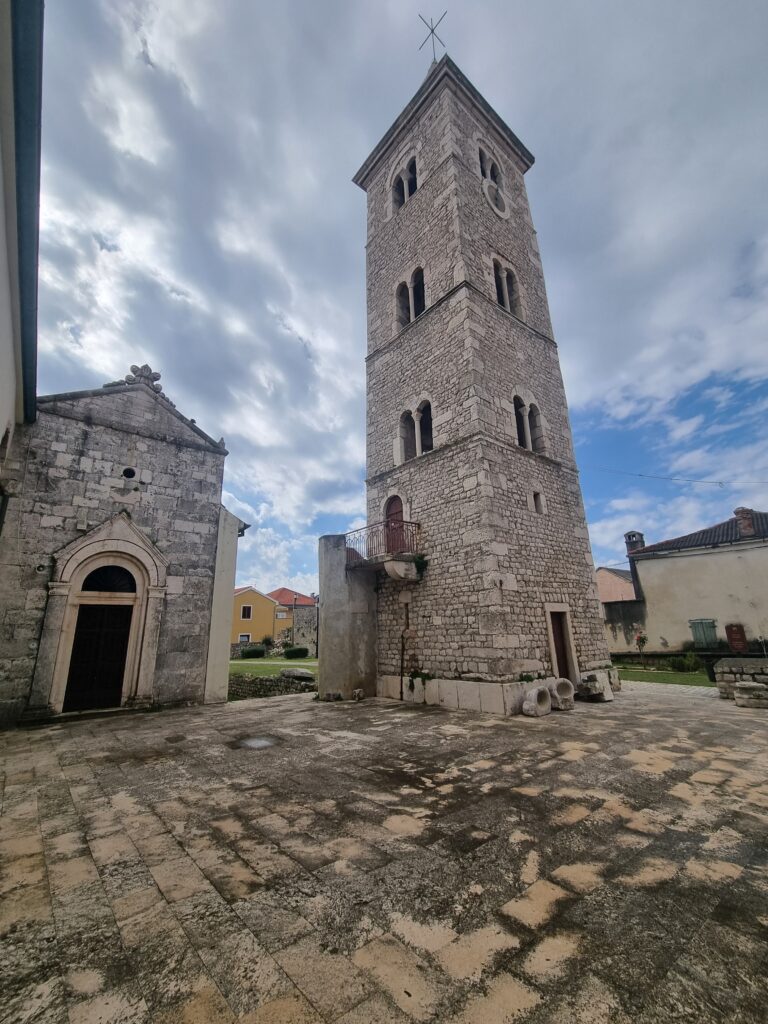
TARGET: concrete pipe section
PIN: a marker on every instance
(561, 693)
(537, 702)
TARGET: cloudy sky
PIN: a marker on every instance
(198, 214)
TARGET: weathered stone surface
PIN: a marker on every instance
(154, 869)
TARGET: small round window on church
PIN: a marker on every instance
(110, 577)
(129, 473)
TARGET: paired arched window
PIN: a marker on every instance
(507, 288)
(410, 299)
(407, 437)
(529, 426)
(405, 184)
(414, 433)
(490, 172)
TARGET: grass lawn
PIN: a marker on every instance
(269, 666)
(678, 678)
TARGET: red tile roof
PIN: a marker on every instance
(285, 596)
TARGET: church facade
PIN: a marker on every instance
(117, 559)
(476, 564)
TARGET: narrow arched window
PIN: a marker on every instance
(520, 421)
(417, 286)
(483, 162)
(413, 182)
(425, 424)
(3, 506)
(403, 302)
(495, 174)
(536, 429)
(110, 577)
(398, 193)
(499, 280)
(408, 436)
(513, 293)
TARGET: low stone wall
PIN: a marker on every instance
(744, 680)
(245, 687)
(491, 698)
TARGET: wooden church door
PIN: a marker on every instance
(100, 644)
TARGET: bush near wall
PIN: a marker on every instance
(296, 652)
(255, 651)
(246, 687)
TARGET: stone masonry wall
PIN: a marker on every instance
(494, 561)
(305, 628)
(64, 477)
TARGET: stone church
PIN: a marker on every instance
(475, 567)
(117, 559)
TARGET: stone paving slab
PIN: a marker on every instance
(381, 863)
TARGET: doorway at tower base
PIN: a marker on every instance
(503, 699)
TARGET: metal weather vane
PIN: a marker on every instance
(433, 34)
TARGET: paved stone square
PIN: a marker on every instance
(375, 864)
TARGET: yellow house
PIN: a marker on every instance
(253, 616)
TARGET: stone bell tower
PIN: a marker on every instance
(470, 462)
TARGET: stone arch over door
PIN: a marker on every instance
(115, 543)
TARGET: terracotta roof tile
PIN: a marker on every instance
(285, 596)
(720, 533)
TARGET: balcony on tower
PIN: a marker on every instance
(391, 545)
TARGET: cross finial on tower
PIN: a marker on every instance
(433, 34)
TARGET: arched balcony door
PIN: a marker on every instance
(393, 516)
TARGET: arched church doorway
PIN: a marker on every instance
(100, 645)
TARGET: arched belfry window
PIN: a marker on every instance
(112, 578)
(403, 301)
(412, 179)
(424, 413)
(410, 299)
(529, 425)
(535, 428)
(520, 421)
(417, 290)
(405, 184)
(407, 436)
(507, 288)
(414, 433)
(490, 172)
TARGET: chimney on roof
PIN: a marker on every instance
(634, 541)
(745, 522)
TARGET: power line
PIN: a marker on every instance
(674, 479)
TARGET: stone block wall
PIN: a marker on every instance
(65, 476)
(305, 628)
(744, 680)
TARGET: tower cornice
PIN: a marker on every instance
(443, 73)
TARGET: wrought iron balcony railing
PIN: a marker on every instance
(382, 539)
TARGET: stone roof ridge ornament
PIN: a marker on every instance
(433, 35)
(145, 375)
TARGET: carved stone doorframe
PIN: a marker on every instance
(116, 542)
